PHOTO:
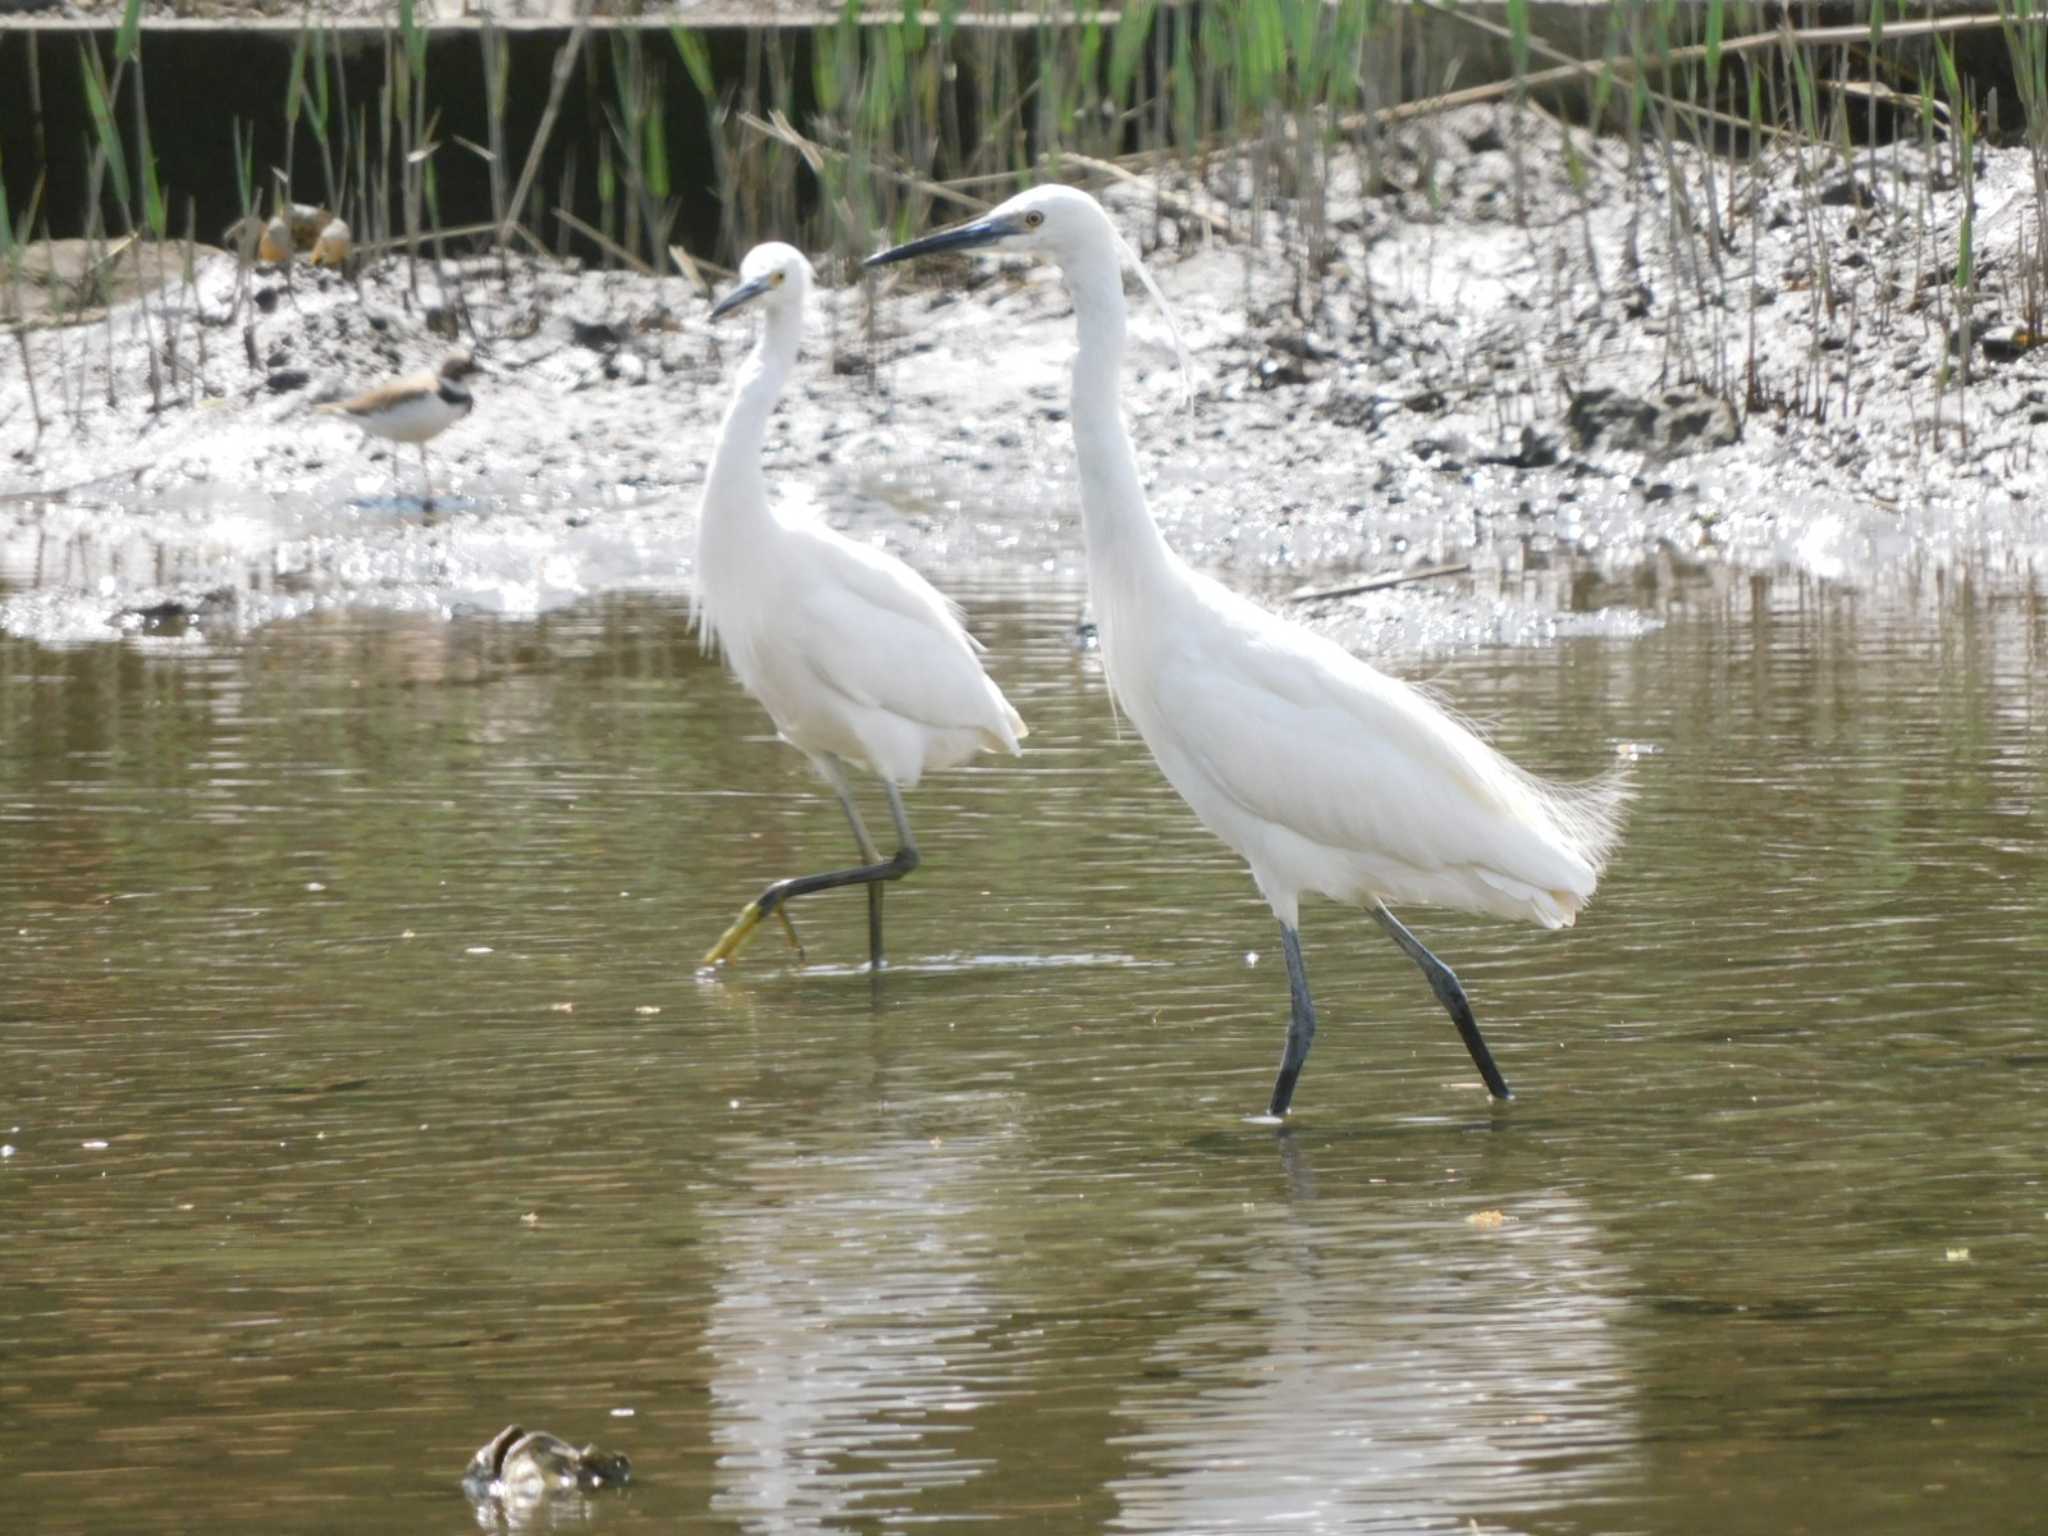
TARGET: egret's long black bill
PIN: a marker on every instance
(739, 296)
(962, 237)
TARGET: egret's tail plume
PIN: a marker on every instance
(1584, 825)
(1589, 814)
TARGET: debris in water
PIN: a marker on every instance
(521, 1469)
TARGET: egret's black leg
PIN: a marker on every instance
(778, 895)
(1452, 996)
(1301, 1023)
(834, 773)
(782, 892)
(906, 847)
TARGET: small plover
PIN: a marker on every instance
(413, 409)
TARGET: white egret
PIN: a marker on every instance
(1326, 775)
(852, 653)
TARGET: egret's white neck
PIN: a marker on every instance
(1124, 544)
(734, 489)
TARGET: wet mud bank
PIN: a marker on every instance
(1580, 373)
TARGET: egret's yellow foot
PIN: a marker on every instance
(742, 929)
(733, 937)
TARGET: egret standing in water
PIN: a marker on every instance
(853, 654)
(1324, 774)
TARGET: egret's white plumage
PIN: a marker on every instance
(1329, 776)
(855, 656)
(1325, 774)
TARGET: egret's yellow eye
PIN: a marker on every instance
(778, 279)
(1033, 219)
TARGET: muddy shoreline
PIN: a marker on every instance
(1569, 372)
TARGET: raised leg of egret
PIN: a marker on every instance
(870, 874)
(1452, 996)
(1301, 1024)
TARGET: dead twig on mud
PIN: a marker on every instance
(564, 64)
(694, 269)
(1479, 95)
(459, 231)
(814, 153)
(1537, 45)
(1172, 201)
(1379, 583)
(28, 372)
(591, 232)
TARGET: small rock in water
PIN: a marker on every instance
(174, 616)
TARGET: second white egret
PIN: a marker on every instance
(1324, 774)
(852, 653)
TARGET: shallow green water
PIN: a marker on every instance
(363, 1098)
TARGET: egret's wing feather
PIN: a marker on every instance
(838, 563)
(1300, 733)
(881, 635)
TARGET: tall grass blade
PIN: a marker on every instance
(100, 108)
(696, 56)
(128, 41)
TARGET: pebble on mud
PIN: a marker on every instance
(2010, 343)
(1676, 421)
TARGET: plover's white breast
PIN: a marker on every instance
(412, 416)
